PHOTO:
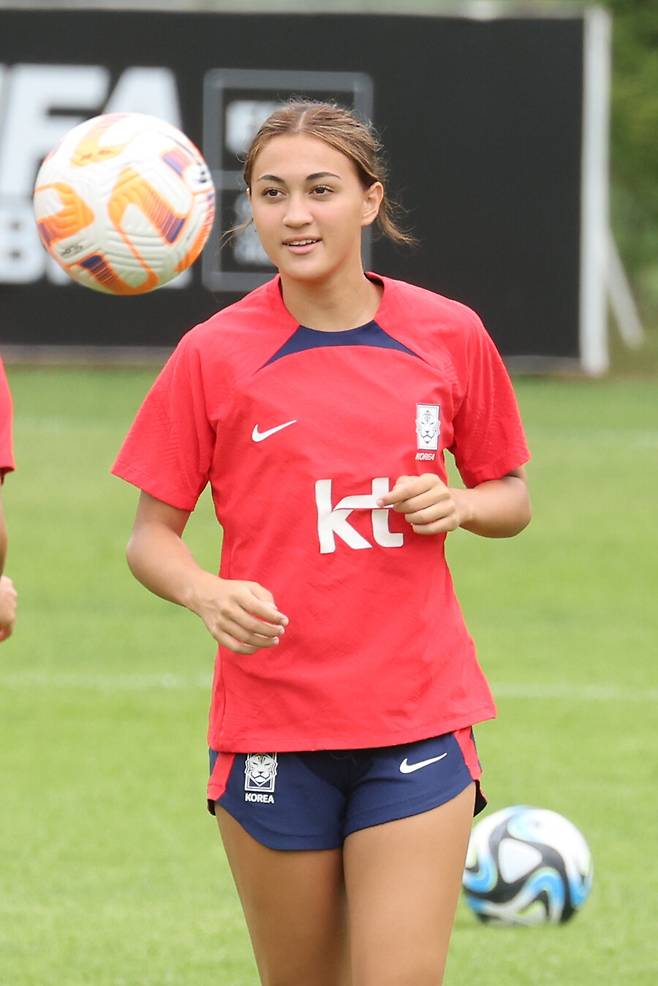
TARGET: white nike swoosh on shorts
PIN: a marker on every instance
(260, 436)
(408, 768)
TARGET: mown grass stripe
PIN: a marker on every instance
(562, 691)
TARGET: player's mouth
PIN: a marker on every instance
(301, 244)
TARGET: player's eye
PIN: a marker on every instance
(271, 193)
(321, 191)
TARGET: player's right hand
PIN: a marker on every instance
(241, 616)
(8, 601)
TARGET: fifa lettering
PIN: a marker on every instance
(332, 521)
(33, 120)
(146, 90)
(29, 131)
(21, 256)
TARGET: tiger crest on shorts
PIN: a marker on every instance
(260, 777)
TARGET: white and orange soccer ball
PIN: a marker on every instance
(124, 203)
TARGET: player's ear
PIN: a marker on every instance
(372, 199)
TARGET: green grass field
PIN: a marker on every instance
(112, 873)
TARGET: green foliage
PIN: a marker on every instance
(634, 142)
(634, 145)
(112, 872)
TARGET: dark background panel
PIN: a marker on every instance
(481, 121)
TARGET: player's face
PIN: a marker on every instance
(309, 207)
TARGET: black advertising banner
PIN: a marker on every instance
(482, 122)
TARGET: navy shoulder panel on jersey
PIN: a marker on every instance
(370, 334)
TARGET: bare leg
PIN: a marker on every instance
(403, 880)
(294, 905)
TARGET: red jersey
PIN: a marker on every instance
(299, 431)
(6, 453)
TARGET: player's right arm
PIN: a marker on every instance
(8, 595)
(240, 615)
(3, 538)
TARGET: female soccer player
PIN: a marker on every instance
(343, 769)
(7, 590)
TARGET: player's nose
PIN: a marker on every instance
(297, 213)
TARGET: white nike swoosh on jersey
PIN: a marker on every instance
(408, 768)
(260, 436)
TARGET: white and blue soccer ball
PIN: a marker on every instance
(527, 866)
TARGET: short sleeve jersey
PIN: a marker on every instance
(298, 432)
(6, 451)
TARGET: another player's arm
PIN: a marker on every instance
(240, 615)
(497, 508)
(8, 596)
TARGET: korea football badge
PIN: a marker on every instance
(260, 777)
(428, 430)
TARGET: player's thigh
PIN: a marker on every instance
(403, 880)
(294, 905)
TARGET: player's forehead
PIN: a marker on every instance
(294, 157)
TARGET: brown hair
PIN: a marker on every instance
(343, 130)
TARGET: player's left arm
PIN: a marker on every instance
(498, 508)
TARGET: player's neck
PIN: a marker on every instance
(335, 304)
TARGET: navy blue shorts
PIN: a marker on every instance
(315, 800)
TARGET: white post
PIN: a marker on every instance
(594, 193)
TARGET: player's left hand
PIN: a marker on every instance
(427, 503)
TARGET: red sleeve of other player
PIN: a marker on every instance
(6, 452)
(168, 450)
(489, 440)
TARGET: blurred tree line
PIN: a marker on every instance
(634, 145)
